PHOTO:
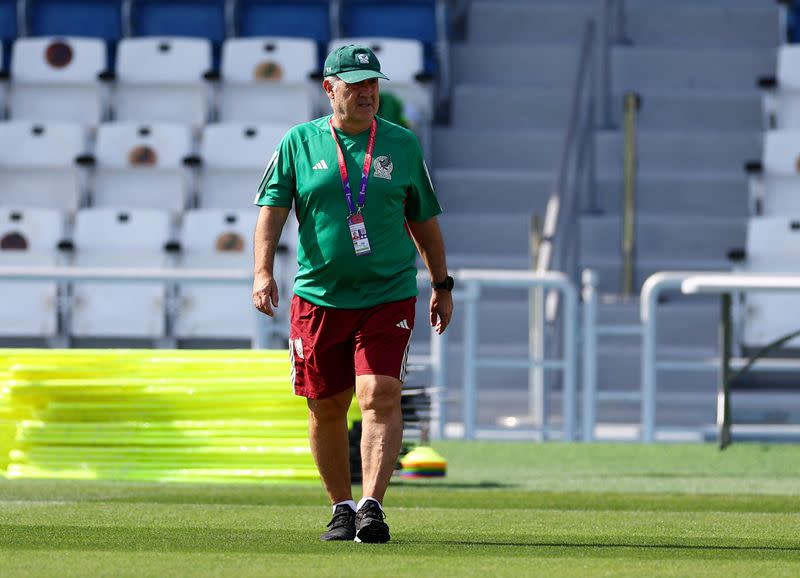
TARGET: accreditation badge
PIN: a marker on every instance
(358, 232)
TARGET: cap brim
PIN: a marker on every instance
(353, 76)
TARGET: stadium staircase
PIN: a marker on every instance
(695, 65)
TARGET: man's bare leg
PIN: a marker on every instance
(381, 431)
(327, 431)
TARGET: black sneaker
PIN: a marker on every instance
(370, 527)
(342, 526)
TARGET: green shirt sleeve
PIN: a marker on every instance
(421, 202)
(278, 181)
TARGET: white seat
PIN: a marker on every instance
(29, 237)
(402, 60)
(120, 238)
(57, 79)
(37, 164)
(268, 79)
(781, 105)
(217, 239)
(162, 80)
(776, 190)
(773, 246)
(234, 155)
(141, 165)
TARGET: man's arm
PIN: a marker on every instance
(265, 243)
(430, 244)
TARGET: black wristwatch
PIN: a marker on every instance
(447, 284)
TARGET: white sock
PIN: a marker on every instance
(363, 501)
(350, 503)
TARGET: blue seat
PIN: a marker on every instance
(8, 29)
(414, 19)
(90, 18)
(295, 18)
(194, 18)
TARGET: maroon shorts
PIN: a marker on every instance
(328, 347)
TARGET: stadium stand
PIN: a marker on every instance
(142, 165)
(216, 239)
(189, 18)
(8, 30)
(774, 180)
(39, 165)
(3, 85)
(772, 247)
(29, 237)
(58, 79)
(82, 18)
(231, 153)
(781, 98)
(315, 19)
(268, 79)
(413, 19)
(163, 80)
(105, 237)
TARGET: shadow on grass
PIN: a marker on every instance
(278, 540)
(432, 484)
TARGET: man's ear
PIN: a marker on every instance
(328, 86)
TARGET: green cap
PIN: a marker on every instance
(353, 63)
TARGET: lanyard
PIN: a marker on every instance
(348, 193)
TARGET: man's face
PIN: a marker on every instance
(357, 102)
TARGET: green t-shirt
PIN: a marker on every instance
(304, 171)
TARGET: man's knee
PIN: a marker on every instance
(378, 393)
(332, 408)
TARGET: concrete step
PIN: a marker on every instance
(476, 191)
(610, 269)
(496, 149)
(530, 22)
(723, 195)
(643, 68)
(516, 108)
(681, 152)
(696, 111)
(545, 66)
(488, 235)
(664, 237)
(703, 25)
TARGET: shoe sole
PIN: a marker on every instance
(374, 533)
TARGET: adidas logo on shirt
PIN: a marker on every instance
(403, 324)
(320, 165)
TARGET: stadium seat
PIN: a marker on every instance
(781, 96)
(187, 18)
(233, 156)
(216, 239)
(120, 238)
(773, 246)
(8, 30)
(83, 18)
(162, 80)
(414, 19)
(402, 60)
(296, 18)
(268, 80)
(38, 165)
(142, 166)
(774, 181)
(29, 237)
(57, 79)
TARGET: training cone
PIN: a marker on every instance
(423, 462)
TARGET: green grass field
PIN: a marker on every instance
(505, 509)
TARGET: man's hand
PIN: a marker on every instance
(441, 310)
(265, 293)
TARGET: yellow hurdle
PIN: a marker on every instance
(152, 415)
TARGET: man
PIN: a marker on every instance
(363, 200)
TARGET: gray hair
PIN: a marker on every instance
(333, 79)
